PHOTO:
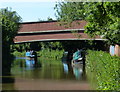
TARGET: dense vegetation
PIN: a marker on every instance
(103, 70)
(10, 25)
(103, 18)
(55, 49)
(48, 53)
(44, 49)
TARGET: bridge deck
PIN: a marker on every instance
(48, 37)
(51, 30)
(49, 26)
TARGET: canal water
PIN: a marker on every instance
(49, 74)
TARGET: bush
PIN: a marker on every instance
(104, 70)
(48, 53)
(19, 54)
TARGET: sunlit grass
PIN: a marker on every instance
(54, 54)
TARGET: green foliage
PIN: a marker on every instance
(49, 53)
(24, 46)
(67, 12)
(49, 19)
(51, 45)
(10, 24)
(103, 17)
(46, 49)
(19, 54)
(104, 70)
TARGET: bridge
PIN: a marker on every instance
(52, 31)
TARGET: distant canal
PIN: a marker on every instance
(48, 75)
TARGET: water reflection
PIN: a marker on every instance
(78, 71)
(51, 69)
(29, 64)
(65, 63)
(65, 66)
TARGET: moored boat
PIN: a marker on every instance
(30, 57)
(78, 62)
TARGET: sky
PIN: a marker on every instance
(31, 10)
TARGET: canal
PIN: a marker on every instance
(50, 74)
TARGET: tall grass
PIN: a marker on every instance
(103, 70)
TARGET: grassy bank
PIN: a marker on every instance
(54, 54)
(103, 70)
(47, 53)
(19, 54)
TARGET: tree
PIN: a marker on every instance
(10, 25)
(103, 18)
(42, 20)
(49, 19)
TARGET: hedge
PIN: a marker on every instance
(103, 70)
